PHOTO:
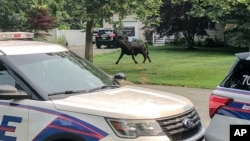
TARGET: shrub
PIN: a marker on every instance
(199, 43)
(61, 41)
(209, 42)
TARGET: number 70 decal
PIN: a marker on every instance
(246, 80)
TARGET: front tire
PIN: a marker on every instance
(64, 137)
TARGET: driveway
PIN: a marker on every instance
(199, 97)
(80, 50)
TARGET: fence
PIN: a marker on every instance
(73, 37)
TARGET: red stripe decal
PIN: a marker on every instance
(17, 35)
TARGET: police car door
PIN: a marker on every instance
(14, 112)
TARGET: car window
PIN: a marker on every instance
(7, 79)
(95, 31)
(105, 32)
(239, 77)
(61, 71)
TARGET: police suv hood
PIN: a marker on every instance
(127, 102)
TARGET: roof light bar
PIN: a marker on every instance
(16, 35)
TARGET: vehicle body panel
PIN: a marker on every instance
(127, 103)
(236, 87)
(74, 111)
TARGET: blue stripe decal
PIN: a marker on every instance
(63, 124)
(236, 110)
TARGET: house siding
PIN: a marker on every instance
(130, 20)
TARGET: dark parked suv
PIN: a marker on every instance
(107, 37)
(94, 34)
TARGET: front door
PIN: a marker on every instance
(14, 113)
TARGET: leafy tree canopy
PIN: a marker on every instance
(175, 19)
(200, 14)
(39, 19)
(13, 15)
(237, 23)
(212, 8)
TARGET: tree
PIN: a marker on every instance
(13, 15)
(59, 9)
(40, 19)
(227, 11)
(66, 18)
(174, 19)
(212, 8)
(239, 18)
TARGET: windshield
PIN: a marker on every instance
(61, 71)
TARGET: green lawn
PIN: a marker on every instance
(174, 66)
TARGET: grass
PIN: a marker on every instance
(173, 66)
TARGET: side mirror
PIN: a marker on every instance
(10, 92)
(120, 76)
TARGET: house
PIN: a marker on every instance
(131, 26)
(216, 35)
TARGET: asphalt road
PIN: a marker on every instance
(199, 97)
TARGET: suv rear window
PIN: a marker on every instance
(239, 76)
(105, 32)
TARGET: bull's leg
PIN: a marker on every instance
(133, 57)
(148, 58)
(119, 58)
(146, 45)
(144, 57)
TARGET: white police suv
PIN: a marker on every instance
(229, 104)
(48, 93)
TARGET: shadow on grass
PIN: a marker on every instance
(214, 50)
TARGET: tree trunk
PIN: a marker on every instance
(190, 38)
(190, 41)
(89, 41)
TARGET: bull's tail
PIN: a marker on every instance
(146, 46)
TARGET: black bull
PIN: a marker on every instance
(133, 48)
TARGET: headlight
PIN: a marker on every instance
(135, 128)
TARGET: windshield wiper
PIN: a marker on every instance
(84, 91)
(104, 87)
(68, 92)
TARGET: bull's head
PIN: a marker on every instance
(120, 38)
